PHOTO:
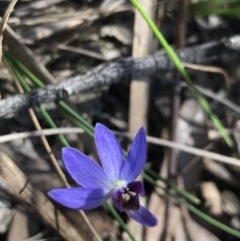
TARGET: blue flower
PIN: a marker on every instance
(114, 179)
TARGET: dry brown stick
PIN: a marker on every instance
(43, 132)
(53, 159)
(47, 147)
(185, 148)
(190, 165)
(180, 39)
(163, 142)
(115, 71)
(212, 69)
(36, 199)
(216, 97)
(38, 127)
(26, 56)
(182, 15)
(139, 88)
(142, 46)
(82, 51)
(3, 23)
(155, 205)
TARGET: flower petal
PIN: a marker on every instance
(83, 170)
(116, 196)
(109, 151)
(143, 216)
(136, 187)
(79, 198)
(134, 163)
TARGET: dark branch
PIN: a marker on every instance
(120, 70)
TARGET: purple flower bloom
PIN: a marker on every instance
(114, 179)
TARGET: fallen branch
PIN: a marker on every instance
(115, 71)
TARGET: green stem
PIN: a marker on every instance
(119, 219)
(43, 111)
(195, 210)
(182, 192)
(203, 102)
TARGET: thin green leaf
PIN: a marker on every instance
(195, 210)
(42, 110)
(182, 192)
(119, 219)
(215, 7)
(217, 123)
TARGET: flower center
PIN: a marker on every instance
(120, 184)
(129, 200)
(126, 195)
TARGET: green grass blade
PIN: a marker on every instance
(215, 7)
(42, 110)
(217, 123)
(182, 192)
(69, 111)
(62, 105)
(195, 210)
(119, 219)
(52, 124)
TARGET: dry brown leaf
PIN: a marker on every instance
(47, 30)
(23, 225)
(34, 6)
(121, 33)
(191, 130)
(194, 228)
(231, 203)
(212, 196)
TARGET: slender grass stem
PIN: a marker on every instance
(172, 54)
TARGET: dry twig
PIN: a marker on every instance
(139, 88)
(114, 72)
(212, 69)
(188, 149)
(4, 23)
(42, 132)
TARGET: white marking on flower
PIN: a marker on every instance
(120, 184)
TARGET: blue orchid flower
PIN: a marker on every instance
(116, 177)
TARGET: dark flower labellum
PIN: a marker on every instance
(133, 202)
(126, 199)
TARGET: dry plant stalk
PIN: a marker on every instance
(212, 69)
(36, 199)
(189, 149)
(142, 46)
(3, 23)
(26, 56)
(42, 132)
(173, 155)
(139, 88)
